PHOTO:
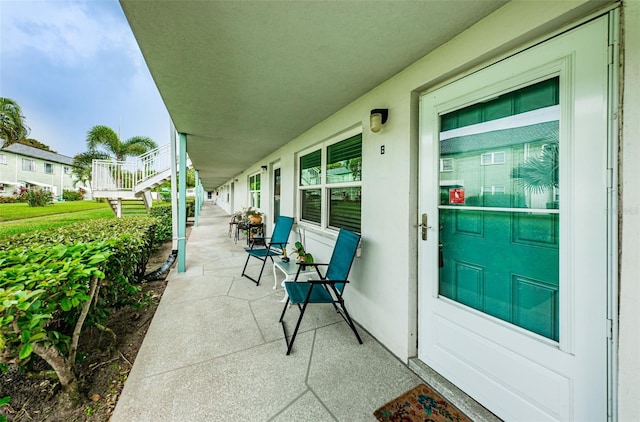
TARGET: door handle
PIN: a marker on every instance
(424, 225)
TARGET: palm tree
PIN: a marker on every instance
(105, 137)
(539, 174)
(108, 140)
(82, 166)
(12, 122)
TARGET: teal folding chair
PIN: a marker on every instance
(272, 246)
(328, 289)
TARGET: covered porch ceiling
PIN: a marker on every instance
(242, 78)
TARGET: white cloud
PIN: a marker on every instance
(72, 65)
(65, 32)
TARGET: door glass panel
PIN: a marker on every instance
(499, 207)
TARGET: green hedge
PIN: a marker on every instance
(191, 207)
(50, 282)
(134, 237)
(71, 195)
(163, 214)
(164, 228)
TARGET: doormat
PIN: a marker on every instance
(420, 404)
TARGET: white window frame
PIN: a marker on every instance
(320, 186)
(28, 164)
(323, 186)
(66, 170)
(493, 190)
(3, 159)
(48, 168)
(254, 195)
(446, 165)
(493, 158)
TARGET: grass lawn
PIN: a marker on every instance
(20, 218)
(9, 212)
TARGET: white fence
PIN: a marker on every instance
(112, 175)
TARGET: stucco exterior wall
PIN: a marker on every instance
(629, 294)
(382, 296)
(12, 172)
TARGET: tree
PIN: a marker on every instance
(82, 166)
(539, 174)
(36, 144)
(104, 137)
(12, 122)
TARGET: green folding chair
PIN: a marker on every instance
(272, 246)
(327, 290)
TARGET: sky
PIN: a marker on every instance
(75, 64)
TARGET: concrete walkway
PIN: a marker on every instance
(215, 350)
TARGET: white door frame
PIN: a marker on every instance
(575, 206)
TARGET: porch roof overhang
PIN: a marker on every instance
(44, 185)
(243, 78)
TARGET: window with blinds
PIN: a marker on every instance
(330, 185)
(311, 169)
(28, 165)
(254, 190)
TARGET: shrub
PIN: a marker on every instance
(20, 194)
(70, 195)
(38, 197)
(51, 282)
(190, 203)
(165, 196)
(164, 228)
(191, 207)
(163, 215)
(45, 296)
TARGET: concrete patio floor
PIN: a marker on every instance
(215, 350)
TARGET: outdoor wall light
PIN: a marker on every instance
(264, 169)
(378, 118)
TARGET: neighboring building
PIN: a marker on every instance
(33, 168)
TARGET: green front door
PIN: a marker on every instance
(499, 216)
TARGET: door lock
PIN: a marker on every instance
(424, 226)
